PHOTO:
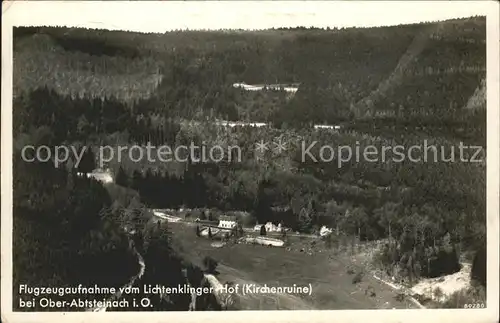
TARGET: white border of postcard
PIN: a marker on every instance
(250, 15)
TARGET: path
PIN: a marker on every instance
(131, 283)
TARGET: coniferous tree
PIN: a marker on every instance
(478, 270)
(136, 180)
(87, 163)
(121, 178)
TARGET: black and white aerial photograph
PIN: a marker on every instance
(292, 166)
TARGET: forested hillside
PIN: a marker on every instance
(386, 86)
(342, 73)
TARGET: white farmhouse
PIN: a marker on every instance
(227, 222)
(324, 231)
(271, 227)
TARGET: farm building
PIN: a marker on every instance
(227, 222)
(270, 227)
(324, 231)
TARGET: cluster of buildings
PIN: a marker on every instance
(271, 227)
(229, 222)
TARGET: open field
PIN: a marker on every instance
(332, 286)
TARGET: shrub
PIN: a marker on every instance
(370, 291)
(438, 293)
(194, 214)
(478, 270)
(328, 241)
(358, 277)
(194, 275)
(210, 264)
(400, 297)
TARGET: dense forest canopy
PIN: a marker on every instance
(385, 86)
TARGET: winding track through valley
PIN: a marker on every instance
(131, 283)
